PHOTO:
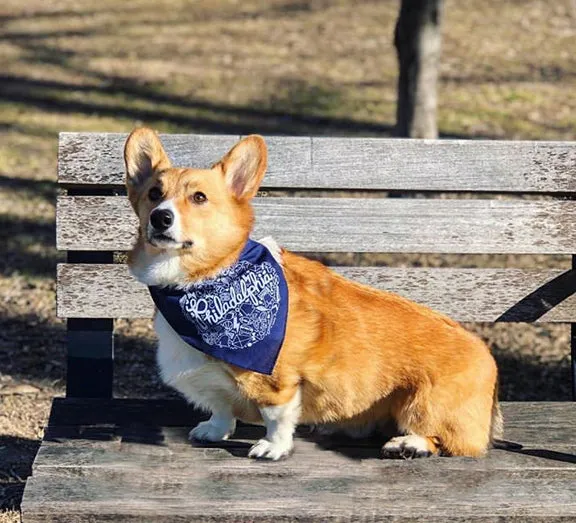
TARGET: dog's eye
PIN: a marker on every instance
(154, 194)
(199, 197)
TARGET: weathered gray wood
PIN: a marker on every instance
(353, 224)
(218, 491)
(179, 456)
(117, 461)
(531, 424)
(97, 291)
(113, 446)
(539, 414)
(348, 163)
(221, 495)
(86, 411)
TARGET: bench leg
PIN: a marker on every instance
(573, 358)
(90, 358)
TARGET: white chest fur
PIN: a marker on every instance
(201, 380)
(175, 357)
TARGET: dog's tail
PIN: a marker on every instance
(497, 427)
(497, 422)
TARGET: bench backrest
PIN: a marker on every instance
(336, 198)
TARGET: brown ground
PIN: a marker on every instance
(274, 66)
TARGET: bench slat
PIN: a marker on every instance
(355, 225)
(176, 456)
(213, 494)
(132, 411)
(483, 295)
(348, 163)
(117, 465)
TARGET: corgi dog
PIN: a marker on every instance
(350, 356)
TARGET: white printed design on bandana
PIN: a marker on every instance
(238, 308)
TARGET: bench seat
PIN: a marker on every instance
(126, 460)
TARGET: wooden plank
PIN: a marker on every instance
(120, 465)
(115, 432)
(177, 457)
(320, 493)
(484, 295)
(348, 163)
(174, 413)
(550, 414)
(524, 419)
(540, 441)
(355, 225)
(526, 446)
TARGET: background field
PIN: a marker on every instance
(270, 66)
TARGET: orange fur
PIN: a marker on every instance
(357, 355)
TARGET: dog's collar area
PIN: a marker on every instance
(239, 316)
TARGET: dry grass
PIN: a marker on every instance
(276, 66)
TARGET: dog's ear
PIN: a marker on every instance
(244, 166)
(143, 156)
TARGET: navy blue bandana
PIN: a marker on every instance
(239, 316)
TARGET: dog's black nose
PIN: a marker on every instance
(162, 219)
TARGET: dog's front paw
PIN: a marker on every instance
(211, 431)
(406, 447)
(264, 449)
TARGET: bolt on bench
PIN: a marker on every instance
(127, 460)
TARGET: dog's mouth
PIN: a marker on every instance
(165, 241)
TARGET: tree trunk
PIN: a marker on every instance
(417, 39)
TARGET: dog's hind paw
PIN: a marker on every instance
(406, 447)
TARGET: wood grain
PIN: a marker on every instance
(485, 295)
(355, 225)
(504, 496)
(115, 461)
(347, 163)
(167, 413)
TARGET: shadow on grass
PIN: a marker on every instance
(296, 117)
(16, 458)
(45, 189)
(28, 246)
(298, 112)
(41, 348)
(300, 109)
(526, 379)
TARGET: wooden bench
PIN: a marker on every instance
(127, 460)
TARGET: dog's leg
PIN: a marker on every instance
(203, 383)
(452, 417)
(280, 421)
(220, 426)
(207, 390)
(210, 389)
